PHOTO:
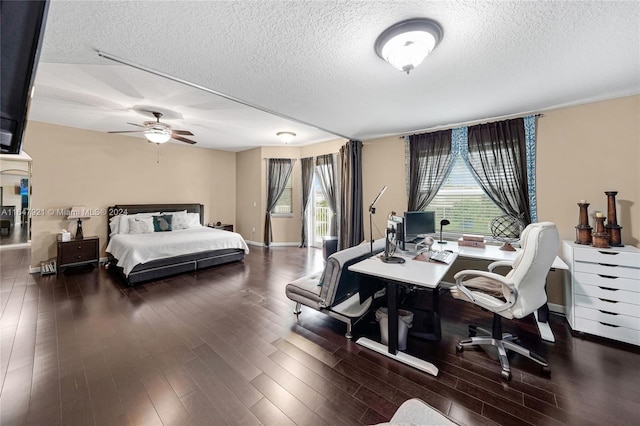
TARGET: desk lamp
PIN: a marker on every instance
(79, 213)
(372, 211)
(443, 222)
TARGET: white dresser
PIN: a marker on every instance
(602, 290)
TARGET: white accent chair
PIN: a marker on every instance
(335, 290)
(516, 295)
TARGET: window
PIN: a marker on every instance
(461, 201)
(284, 204)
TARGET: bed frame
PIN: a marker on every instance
(161, 268)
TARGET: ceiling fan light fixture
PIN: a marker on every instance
(405, 44)
(286, 137)
(158, 135)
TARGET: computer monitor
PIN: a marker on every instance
(418, 224)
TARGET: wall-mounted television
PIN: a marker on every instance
(22, 30)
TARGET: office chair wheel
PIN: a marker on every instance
(506, 375)
(546, 371)
(459, 348)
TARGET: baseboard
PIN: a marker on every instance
(258, 244)
(15, 246)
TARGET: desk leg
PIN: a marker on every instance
(392, 320)
(391, 350)
(543, 325)
(542, 319)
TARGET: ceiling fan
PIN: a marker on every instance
(158, 132)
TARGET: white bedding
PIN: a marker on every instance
(132, 249)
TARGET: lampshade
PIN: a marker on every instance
(405, 44)
(158, 135)
(286, 137)
(78, 212)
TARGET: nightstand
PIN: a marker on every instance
(78, 252)
(224, 227)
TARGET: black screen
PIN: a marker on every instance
(419, 223)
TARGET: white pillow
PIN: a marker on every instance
(180, 219)
(114, 225)
(193, 220)
(124, 221)
(140, 224)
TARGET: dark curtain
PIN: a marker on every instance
(430, 162)
(497, 159)
(351, 226)
(307, 166)
(278, 172)
(327, 175)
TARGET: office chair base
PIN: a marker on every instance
(502, 345)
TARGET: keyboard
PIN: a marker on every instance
(442, 256)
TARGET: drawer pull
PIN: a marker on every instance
(611, 277)
(608, 325)
(608, 265)
(608, 288)
(607, 300)
(608, 252)
(607, 312)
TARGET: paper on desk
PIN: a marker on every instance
(422, 257)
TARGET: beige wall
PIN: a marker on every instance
(582, 151)
(82, 167)
(252, 188)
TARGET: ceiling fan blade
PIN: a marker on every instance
(137, 125)
(182, 132)
(127, 131)
(179, 138)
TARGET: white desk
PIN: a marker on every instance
(493, 253)
(412, 272)
(429, 275)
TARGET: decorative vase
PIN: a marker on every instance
(612, 227)
(600, 238)
(583, 230)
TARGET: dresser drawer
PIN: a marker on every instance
(610, 331)
(607, 293)
(606, 269)
(610, 318)
(607, 305)
(608, 281)
(607, 256)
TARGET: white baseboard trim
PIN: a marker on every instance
(15, 246)
(258, 244)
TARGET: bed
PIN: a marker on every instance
(144, 256)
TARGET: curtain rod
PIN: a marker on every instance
(213, 92)
(468, 123)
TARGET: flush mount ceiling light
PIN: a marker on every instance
(405, 44)
(157, 132)
(286, 137)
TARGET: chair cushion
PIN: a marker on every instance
(306, 291)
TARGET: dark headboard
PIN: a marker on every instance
(119, 209)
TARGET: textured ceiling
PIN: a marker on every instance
(314, 62)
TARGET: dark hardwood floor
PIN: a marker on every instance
(222, 346)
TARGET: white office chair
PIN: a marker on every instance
(516, 295)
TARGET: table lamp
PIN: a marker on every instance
(79, 213)
(443, 222)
